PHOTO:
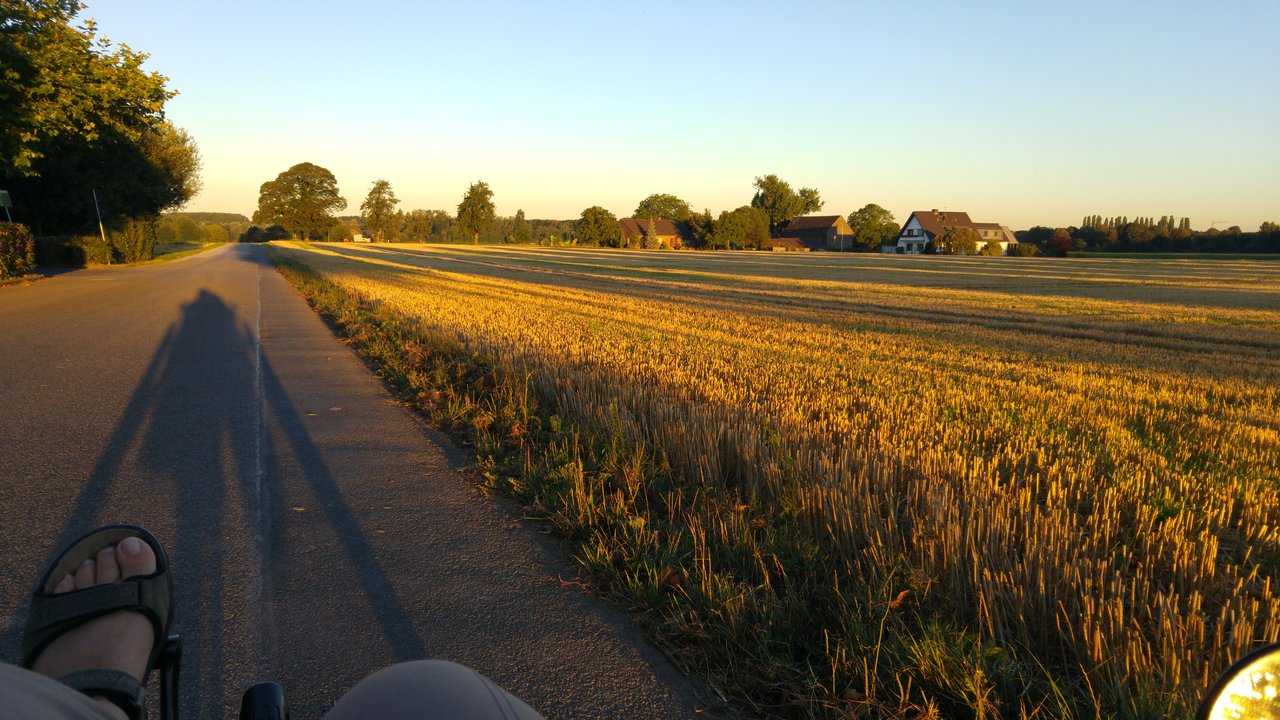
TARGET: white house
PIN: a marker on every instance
(925, 225)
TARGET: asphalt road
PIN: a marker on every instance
(318, 530)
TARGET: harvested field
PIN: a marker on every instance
(899, 486)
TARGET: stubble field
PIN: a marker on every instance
(871, 485)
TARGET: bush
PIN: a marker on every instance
(1026, 249)
(17, 250)
(991, 249)
(134, 242)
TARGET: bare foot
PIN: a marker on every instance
(119, 641)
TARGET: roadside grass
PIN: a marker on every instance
(738, 592)
(22, 280)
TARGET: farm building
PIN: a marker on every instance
(636, 231)
(819, 232)
(925, 225)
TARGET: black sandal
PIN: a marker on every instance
(51, 615)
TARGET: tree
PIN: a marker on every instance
(958, 240)
(417, 226)
(395, 227)
(426, 225)
(378, 209)
(79, 116)
(1059, 243)
(598, 227)
(702, 228)
(186, 230)
(475, 212)
(1038, 235)
(662, 207)
(62, 82)
(744, 228)
(873, 226)
(302, 199)
(520, 233)
(780, 203)
(992, 249)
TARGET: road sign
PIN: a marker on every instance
(5, 200)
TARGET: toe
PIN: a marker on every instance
(86, 574)
(66, 584)
(135, 557)
(108, 568)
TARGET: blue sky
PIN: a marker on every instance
(1017, 112)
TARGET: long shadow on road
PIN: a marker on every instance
(192, 458)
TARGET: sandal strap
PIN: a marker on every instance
(53, 615)
(122, 689)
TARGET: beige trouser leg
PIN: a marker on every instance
(425, 689)
(24, 694)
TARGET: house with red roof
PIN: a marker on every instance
(923, 226)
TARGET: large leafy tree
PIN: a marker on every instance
(744, 228)
(873, 226)
(63, 81)
(475, 212)
(780, 203)
(661, 206)
(302, 199)
(79, 115)
(379, 210)
(598, 227)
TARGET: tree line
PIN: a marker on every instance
(1167, 233)
(85, 148)
(302, 200)
(302, 203)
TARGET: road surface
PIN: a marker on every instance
(319, 531)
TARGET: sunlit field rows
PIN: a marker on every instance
(1071, 466)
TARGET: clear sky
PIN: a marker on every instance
(1021, 112)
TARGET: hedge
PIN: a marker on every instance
(17, 250)
(72, 250)
(133, 241)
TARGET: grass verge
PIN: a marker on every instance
(739, 593)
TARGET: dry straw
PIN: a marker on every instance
(1083, 463)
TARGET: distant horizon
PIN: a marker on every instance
(901, 221)
(1022, 115)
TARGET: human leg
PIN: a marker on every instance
(30, 695)
(424, 689)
